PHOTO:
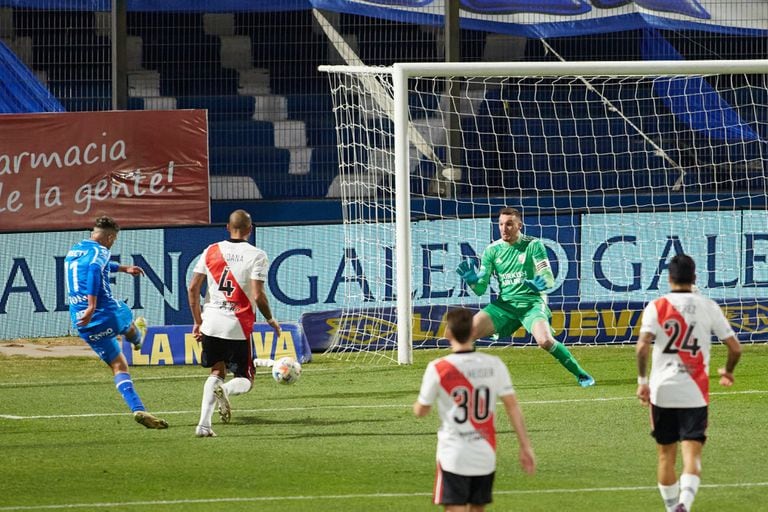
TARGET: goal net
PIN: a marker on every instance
(617, 167)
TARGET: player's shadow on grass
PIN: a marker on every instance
(307, 421)
(348, 434)
(363, 394)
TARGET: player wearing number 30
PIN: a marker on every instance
(235, 272)
(466, 385)
(680, 326)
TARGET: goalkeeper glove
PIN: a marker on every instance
(537, 284)
(466, 270)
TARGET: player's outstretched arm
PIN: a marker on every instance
(734, 354)
(543, 278)
(526, 456)
(131, 269)
(537, 284)
(476, 279)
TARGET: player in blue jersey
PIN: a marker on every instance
(98, 317)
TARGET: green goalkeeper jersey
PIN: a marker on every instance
(512, 265)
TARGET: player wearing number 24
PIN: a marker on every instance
(466, 384)
(680, 326)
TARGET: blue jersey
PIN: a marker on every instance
(88, 265)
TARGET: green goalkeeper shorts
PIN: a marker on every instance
(507, 318)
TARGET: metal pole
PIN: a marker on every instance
(119, 59)
(402, 220)
(453, 121)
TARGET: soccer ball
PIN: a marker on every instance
(286, 370)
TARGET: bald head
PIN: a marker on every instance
(239, 224)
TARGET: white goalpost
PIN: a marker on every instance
(617, 166)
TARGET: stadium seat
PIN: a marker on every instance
(241, 133)
(234, 187)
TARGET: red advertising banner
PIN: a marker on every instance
(143, 168)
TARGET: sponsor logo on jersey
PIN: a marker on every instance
(101, 335)
(512, 278)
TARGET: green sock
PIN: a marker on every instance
(562, 354)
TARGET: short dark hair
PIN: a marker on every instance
(511, 211)
(106, 223)
(459, 321)
(682, 269)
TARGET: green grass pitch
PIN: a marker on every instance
(344, 438)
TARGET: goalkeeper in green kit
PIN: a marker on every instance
(519, 263)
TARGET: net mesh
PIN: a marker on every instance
(616, 175)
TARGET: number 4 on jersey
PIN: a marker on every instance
(225, 283)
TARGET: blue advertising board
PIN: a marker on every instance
(616, 259)
(175, 345)
(589, 323)
(573, 323)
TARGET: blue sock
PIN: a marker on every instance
(124, 385)
(136, 335)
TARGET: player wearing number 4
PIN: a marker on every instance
(680, 326)
(466, 385)
(235, 272)
(98, 317)
(520, 265)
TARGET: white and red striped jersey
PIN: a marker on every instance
(466, 386)
(683, 324)
(228, 310)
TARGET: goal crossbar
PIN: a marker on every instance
(551, 69)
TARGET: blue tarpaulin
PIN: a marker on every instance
(20, 90)
(566, 18)
(692, 99)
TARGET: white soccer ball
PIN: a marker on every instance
(286, 370)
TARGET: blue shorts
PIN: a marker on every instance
(102, 336)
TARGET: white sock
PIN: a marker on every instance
(689, 485)
(237, 386)
(670, 494)
(209, 401)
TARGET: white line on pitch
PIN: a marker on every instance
(340, 407)
(139, 378)
(347, 496)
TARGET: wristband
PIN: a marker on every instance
(642, 381)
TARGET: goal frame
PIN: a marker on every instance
(402, 72)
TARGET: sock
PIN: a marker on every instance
(689, 485)
(237, 386)
(670, 494)
(136, 335)
(562, 354)
(124, 385)
(209, 401)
